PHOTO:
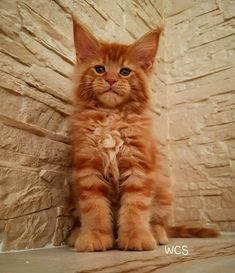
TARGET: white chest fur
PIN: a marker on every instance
(110, 143)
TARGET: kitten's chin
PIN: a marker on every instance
(110, 100)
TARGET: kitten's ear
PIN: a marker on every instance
(86, 45)
(144, 50)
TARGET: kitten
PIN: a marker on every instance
(117, 195)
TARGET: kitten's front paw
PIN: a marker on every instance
(136, 239)
(93, 241)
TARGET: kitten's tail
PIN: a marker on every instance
(188, 232)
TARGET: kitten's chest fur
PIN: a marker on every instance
(111, 142)
(109, 137)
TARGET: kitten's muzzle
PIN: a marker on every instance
(111, 81)
(111, 89)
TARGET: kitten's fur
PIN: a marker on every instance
(117, 193)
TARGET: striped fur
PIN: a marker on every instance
(117, 194)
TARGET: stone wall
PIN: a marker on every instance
(199, 73)
(192, 95)
(37, 58)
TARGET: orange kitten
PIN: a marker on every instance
(117, 195)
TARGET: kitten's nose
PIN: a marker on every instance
(111, 81)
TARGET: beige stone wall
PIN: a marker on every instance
(199, 73)
(192, 95)
(36, 62)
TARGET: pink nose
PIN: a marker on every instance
(111, 81)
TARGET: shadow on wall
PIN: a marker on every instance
(193, 100)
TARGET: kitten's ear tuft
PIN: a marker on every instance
(144, 50)
(86, 45)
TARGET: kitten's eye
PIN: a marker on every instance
(125, 71)
(100, 69)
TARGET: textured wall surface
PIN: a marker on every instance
(36, 62)
(193, 98)
(199, 72)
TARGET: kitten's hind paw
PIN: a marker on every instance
(160, 234)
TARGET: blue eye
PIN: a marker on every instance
(100, 69)
(125, 71)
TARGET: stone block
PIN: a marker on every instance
(185, 215)
(45, 56)
(31, 231)
(227, 7)
(161, 128)
(212, 202)
(22, 193)
(86, 14)
(9, 19)
(182, 153)
(228, 198)
(187, 177)
(189, 202)
(11, 158)
(2, 228)
(45, 33)
(200, 93)
(211, 192)
(52, 13)
(59, 184)
(63, 226)
(224, 132)
(183, 124)
(12, 67)
(19, 87)
(222, 181)
(227, 226)
(213, 155)
(49, 81)
(214, 33)
(220, 171)
(17, 51)
(29, 111)
(174, 7)
(221, 214)
(231, 149)
(25, 142)
(220, 118)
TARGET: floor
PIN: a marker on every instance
(191, 255)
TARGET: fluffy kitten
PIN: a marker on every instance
(117, 195)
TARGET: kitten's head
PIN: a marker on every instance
(113, 75)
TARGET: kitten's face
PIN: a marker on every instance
(112, 78)
(111, 82)
(113, 74)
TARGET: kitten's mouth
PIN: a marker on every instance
(110, 90)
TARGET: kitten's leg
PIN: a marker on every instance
(160, 234)
(161, 210)
(96, 223)
(134, 215)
